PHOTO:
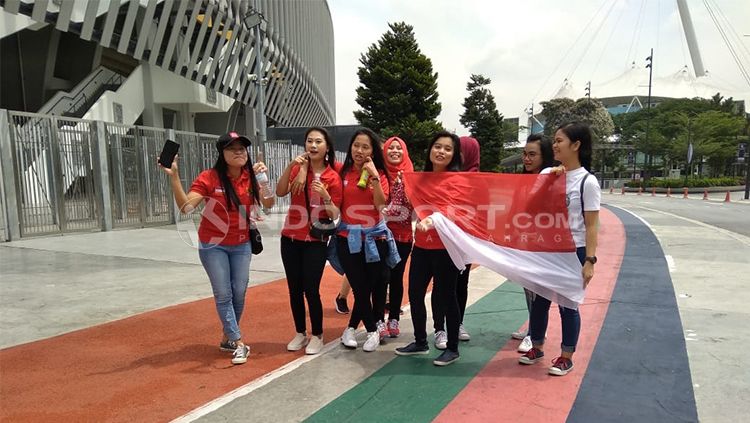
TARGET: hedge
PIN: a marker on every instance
(727, 181)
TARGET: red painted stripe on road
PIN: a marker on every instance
(507, 391)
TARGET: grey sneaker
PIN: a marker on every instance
(441, 340)
(413, 349)
(228, 346)
(240, 355)
(446, 358)
(462, 334)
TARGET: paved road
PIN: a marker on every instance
(733, 216)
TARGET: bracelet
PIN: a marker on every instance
(327, 202)
(375, 178)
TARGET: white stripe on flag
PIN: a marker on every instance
(555, 276)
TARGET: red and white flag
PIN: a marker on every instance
(515, 225)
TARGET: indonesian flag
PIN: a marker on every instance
(515, 225)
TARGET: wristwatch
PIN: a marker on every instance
(375, 178)
(591, 259)
(327, 202)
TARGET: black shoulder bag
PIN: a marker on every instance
(256, 241)
(321, 228)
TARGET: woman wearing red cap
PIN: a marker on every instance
(398, 217)
(230, 192)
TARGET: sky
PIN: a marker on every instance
(527, 48)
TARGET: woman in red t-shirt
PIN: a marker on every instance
(364, 198)
(430, 260)
(398, 216)
(230, 191)
(304, 257)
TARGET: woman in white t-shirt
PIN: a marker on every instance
(572, 147)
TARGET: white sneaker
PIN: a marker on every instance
(520, 334)
(348, 338)
(315, 345)
(240, 354)
(372, 343)
(525, 345)
(441, 340)
(462, 334)
(299, 342)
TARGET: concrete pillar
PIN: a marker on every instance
(101, 175)
(10, 198)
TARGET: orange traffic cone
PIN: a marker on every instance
(669, 192)
(684, 193)
(653, 191)
(705, 194)
(727, 199)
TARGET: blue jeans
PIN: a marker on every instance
(228, 269)
(571, 319)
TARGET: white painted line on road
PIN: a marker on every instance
(670, 263)
(741, 238)
(635, 215)
(261, 381)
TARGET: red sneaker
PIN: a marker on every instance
(561, 366)
(532, 356)
(393, 329)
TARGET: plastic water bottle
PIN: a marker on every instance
(263, 183)
(314, 196)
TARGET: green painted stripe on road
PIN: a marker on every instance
(412, 389)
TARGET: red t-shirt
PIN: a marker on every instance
(218, 225)
(297, 224)
(429, 240)
(358, 206)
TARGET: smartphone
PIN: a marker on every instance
(168, 152)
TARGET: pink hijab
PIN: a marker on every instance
(405, 165)
(470, 154)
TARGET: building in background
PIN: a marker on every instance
(189, 65)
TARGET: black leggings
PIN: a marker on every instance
(395, 282)
(367, 281)
(304, 263)
(437, 265)
(462, 294)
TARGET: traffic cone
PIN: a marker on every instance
(653, 191)
(727, 199)
(623, 190)
(705, 194)
(684, 193)
(612, 189)
(669, 192)
(640, 190)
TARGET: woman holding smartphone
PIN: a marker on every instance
(231, 195)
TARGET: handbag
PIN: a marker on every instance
(256, 241)
(321, 228)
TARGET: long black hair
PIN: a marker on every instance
(331, 154)
(455, 163)
(545, 146)
(576, 131)
(377, 152)
(230, 195)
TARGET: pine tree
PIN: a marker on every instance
(485, 123)
(398, 92)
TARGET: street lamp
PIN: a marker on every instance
(253, 20)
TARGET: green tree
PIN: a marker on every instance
(398, 92)
(590, 111)
(485, 123)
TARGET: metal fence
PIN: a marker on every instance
(64, 175)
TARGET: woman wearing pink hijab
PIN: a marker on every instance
(398, 217)
(470, 163)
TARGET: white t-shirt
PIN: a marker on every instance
(592, 198)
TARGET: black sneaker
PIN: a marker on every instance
(413, 349)
(228, 346)
(341, 306)
(446, 358)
